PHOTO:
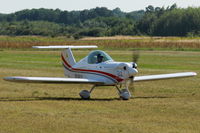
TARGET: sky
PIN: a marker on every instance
(10, 6)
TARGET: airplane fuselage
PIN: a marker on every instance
(109, 72)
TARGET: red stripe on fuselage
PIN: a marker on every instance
(85, 70)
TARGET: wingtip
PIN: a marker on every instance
(34, 46)
(7, 78)
(11, 78)
(191, 73)
(194, 73)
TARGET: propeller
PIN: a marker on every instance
(135, 58)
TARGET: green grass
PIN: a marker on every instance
(168, 106)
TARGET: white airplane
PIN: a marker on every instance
(98, 69)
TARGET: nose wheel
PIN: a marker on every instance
(124, 93)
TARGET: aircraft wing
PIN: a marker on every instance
(164, 76)
(53, 80)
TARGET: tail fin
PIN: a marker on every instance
(68, 58)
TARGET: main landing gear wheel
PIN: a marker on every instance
(85, 94)
(124, 94)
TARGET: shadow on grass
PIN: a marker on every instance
(53, 99)
(4, 99)
(151, 97)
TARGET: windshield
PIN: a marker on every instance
(98, 56)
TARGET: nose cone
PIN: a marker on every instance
(132, 71)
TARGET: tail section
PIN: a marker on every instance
(68, 61)
(67, 56)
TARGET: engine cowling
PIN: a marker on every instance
(128, 69)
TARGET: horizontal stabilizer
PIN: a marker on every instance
(64, 47)
(164, 76)
(52, 80)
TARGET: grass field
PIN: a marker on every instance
(169, 106)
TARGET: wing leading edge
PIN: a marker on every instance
(52, 80)
(164, 76)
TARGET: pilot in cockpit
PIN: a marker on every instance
(99, 58)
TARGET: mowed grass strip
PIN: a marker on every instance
(158, 106)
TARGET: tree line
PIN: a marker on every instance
(100, 21)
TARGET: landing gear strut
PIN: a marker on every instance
(85, 94)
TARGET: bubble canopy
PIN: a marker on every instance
(94, 55)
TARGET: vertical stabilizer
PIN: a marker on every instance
(68, 61)
(68, 57)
